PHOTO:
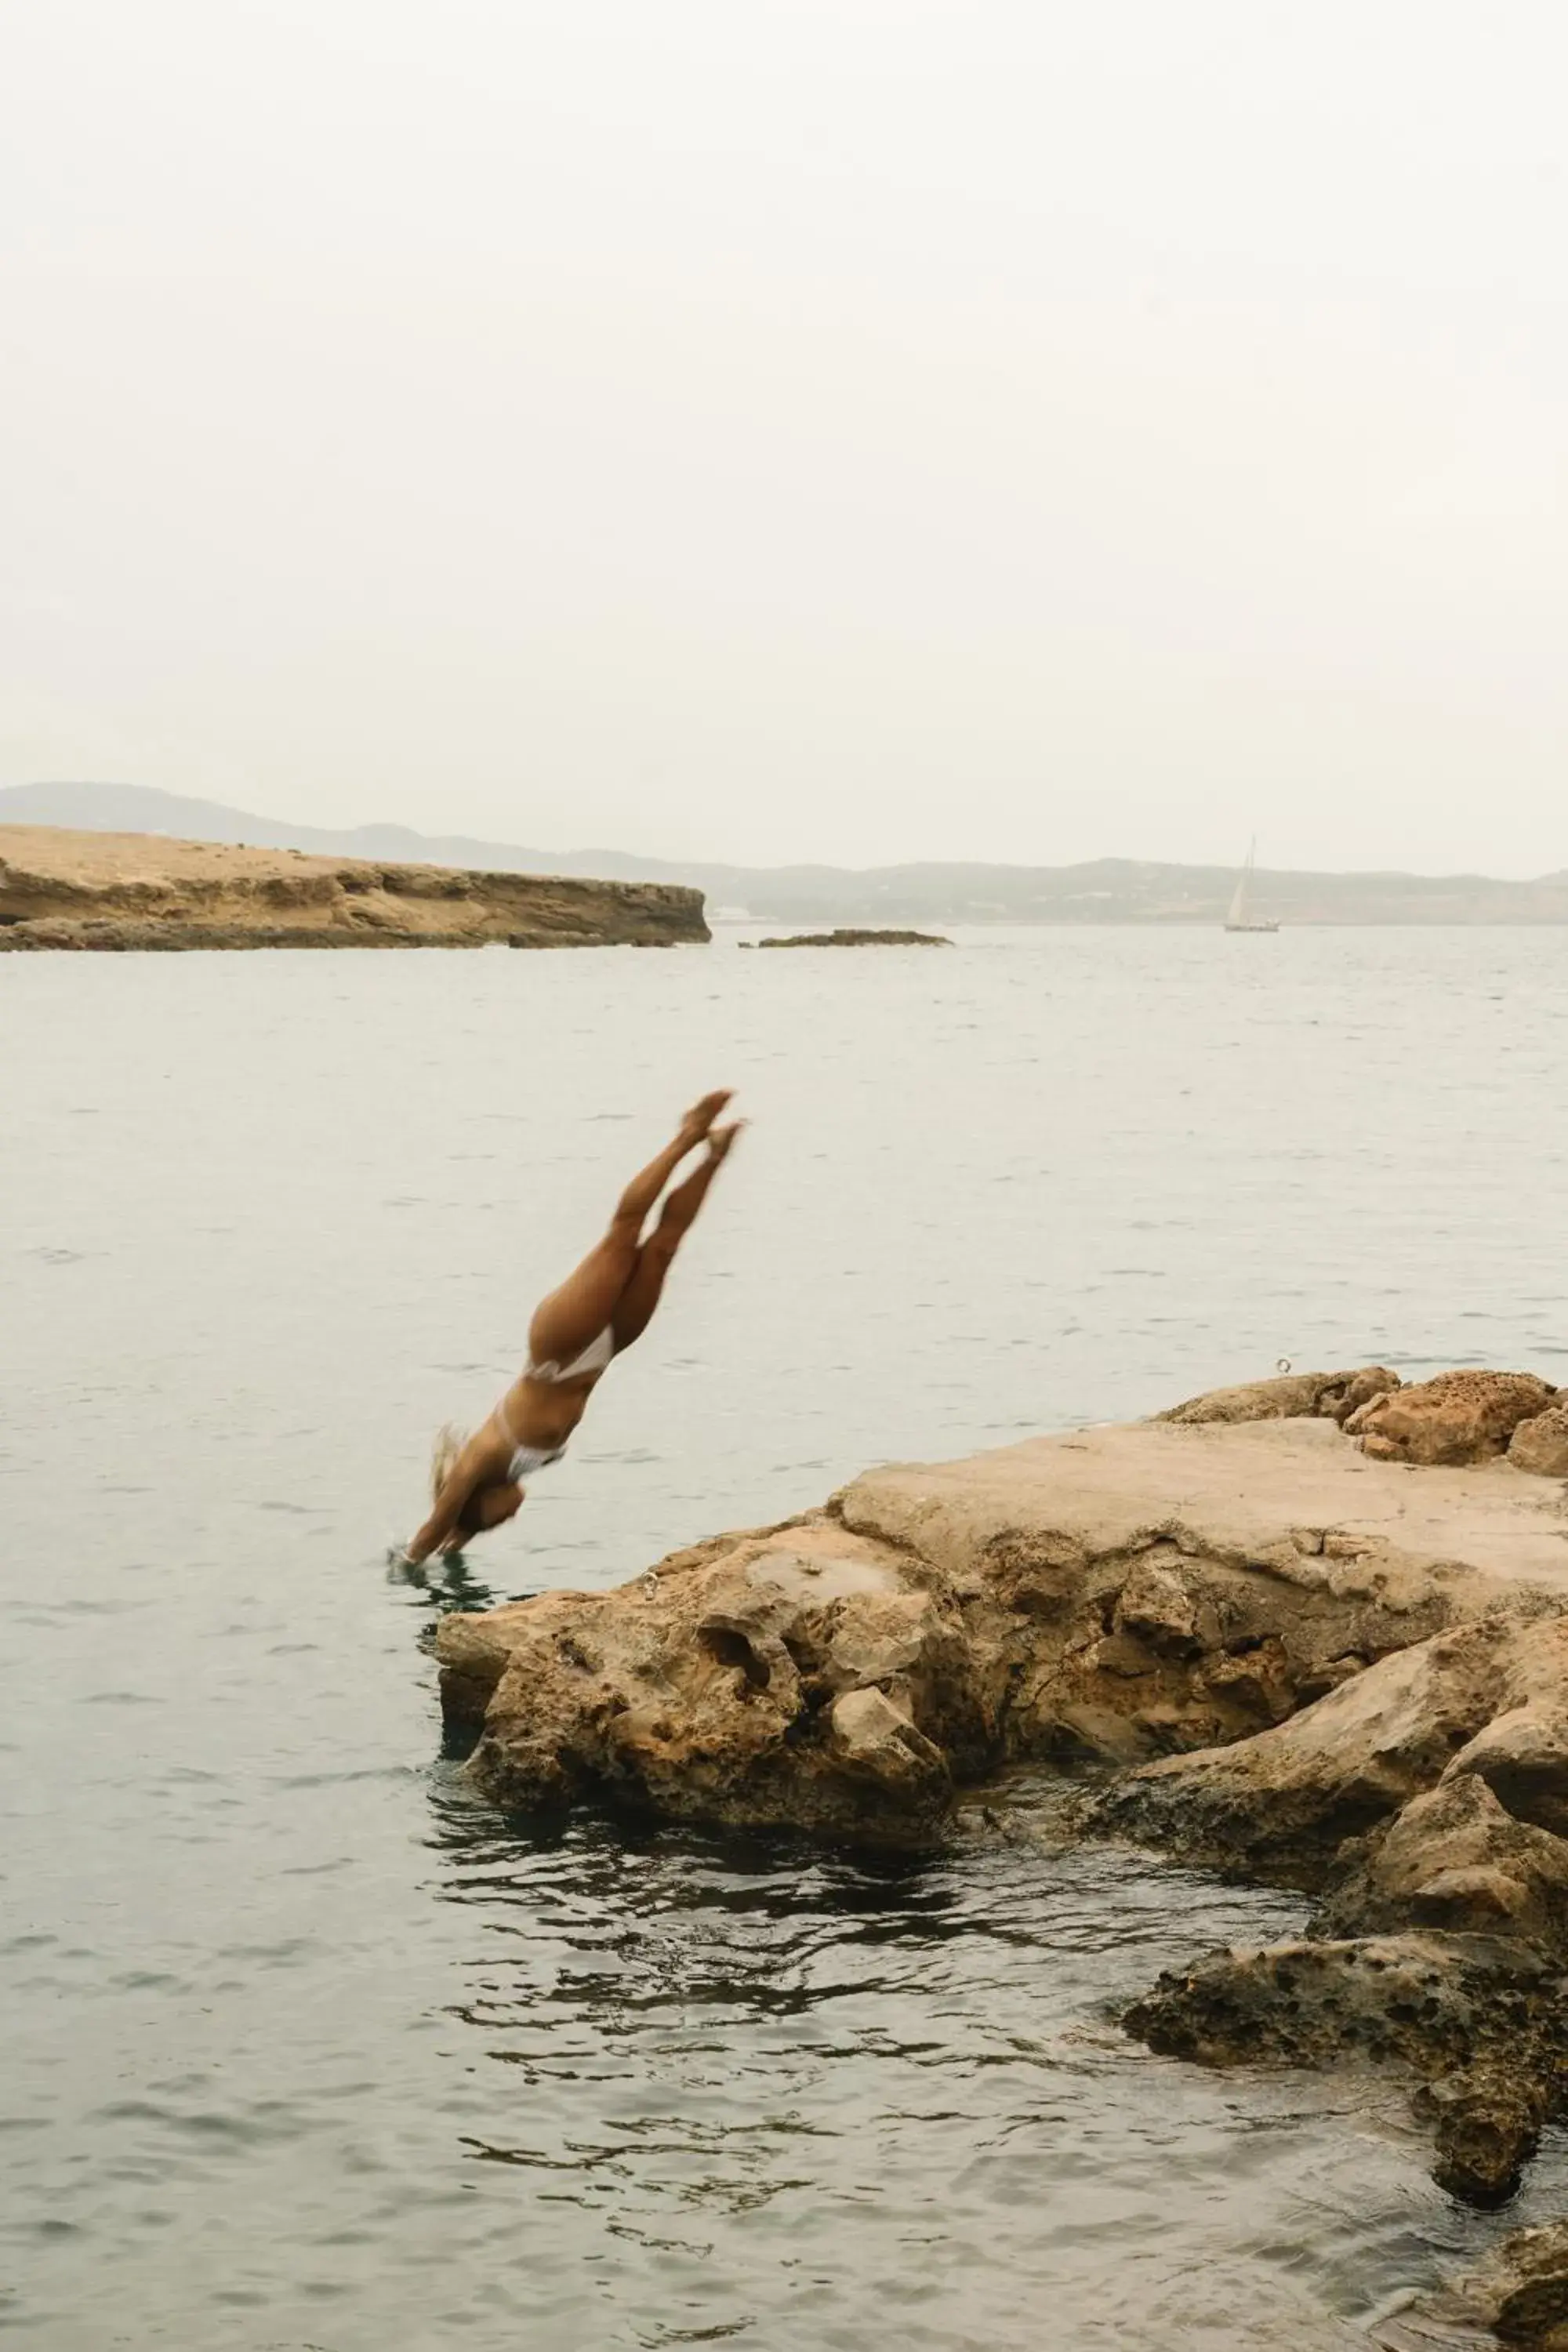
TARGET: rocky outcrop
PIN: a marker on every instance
(798, 1675)
(1459, 1417)
(1485, 1701)
(1441, 1942)
(854, 939)
(1287, 1658)
(1280, 1805)
(1540, 1445)
(1113, 1596)
(1290, 1396)
(71, 890)
(1423, 1803)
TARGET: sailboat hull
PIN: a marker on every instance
(1252, 927)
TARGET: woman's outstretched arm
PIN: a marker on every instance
(456, 1488)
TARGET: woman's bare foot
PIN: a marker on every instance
(699, 1119)
(720, 1141)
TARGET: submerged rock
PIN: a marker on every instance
(1476, 2017)
(1517, 2296)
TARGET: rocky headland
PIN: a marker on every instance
(101, 890)
(1312, 1632)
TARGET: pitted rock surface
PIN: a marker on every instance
(1540, 1445)
(1290, 1396)
(1459, 1417)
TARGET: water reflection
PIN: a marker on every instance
(446, 1583)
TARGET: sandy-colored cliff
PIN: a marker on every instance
(60, 888)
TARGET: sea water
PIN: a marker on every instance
(308, 2050)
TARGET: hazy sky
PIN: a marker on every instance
(771, 428)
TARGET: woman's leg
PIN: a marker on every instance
(573, 1317)
(634, 1311)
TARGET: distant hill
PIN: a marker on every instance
(1105, 890)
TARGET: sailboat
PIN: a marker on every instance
(1239, 917)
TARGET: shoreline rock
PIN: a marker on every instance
(61, 891)
(1289, 1659)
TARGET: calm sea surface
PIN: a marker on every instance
(303, 2047)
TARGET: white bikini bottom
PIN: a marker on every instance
(527, 1459)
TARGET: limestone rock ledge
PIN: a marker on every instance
(1290, 1657)
(63, 890)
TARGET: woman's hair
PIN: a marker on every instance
(449, 1442)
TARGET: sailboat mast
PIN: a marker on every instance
(1241, 917)
(1238, 903)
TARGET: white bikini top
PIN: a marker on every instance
(595, 1358)
(526, 1459)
